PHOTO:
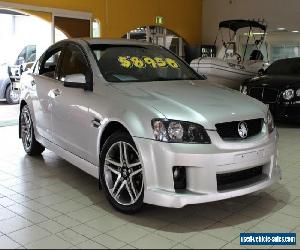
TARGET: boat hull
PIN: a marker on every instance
(230, 74)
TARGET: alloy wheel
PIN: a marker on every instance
(26, 129)
(14, 96)
(123, 173)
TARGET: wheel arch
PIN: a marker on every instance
(22, 104)
(7, 84)
(111, 128)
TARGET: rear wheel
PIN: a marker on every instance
(121, 173)
(30, 144)
(12, 96)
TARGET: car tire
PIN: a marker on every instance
(121, 174)
(11, 97)
(31, 146)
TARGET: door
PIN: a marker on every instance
(70, 115)
(44, 82)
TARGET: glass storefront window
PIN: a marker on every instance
(282, 51)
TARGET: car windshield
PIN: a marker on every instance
(289, 67)
(123, 63)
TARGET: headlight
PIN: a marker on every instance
(270, 122)
(298, 93)
(175, 131)
(244, 90)
(289, 94)
(179, 132)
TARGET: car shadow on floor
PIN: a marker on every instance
(240, 212)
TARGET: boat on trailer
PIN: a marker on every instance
(231, 67)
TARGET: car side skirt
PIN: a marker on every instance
(84, 165)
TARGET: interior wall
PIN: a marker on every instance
(43, 15)
(73, 27)
(117, 17)
(277, 13)
(182, 17)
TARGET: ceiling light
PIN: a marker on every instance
(281, 28)
(254, 33)
(295, 31)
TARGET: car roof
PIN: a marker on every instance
(287, 60)
(100, 41)
(95, 41)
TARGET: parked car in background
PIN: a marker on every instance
(279, 87)
(24, 61)
(144, 123)
(8, 91)
(10, 74)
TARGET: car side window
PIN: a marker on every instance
(21, 57)
(74, 66)
(49, 63)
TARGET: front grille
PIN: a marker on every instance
(229, 130)
(239, 179)
(266, 95)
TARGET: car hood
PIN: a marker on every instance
(275, 81)
(195, 101)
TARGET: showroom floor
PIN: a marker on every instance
(46, 202)
(8, 114)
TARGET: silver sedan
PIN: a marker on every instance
(146, 125)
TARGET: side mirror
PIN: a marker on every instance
(75, 81)
(76, 78)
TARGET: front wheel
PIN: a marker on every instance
(30, 144)
(121, 173)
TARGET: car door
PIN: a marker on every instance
(70, 116)
(44, 83)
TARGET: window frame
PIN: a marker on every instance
(47, 55)
(90, 82)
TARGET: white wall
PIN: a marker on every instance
(18, 31)
(277, 13)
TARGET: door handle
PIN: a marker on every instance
(56, 92)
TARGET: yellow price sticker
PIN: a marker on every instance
(140, 63)
(172, 63)
(124, 62)
(161, 62)
(149, 61)
(137, 62)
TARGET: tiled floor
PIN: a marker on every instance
(8, 113)
(47, 203)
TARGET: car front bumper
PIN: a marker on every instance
(203, 163)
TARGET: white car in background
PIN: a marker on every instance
(148, 126)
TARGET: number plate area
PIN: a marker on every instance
(251, 156)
